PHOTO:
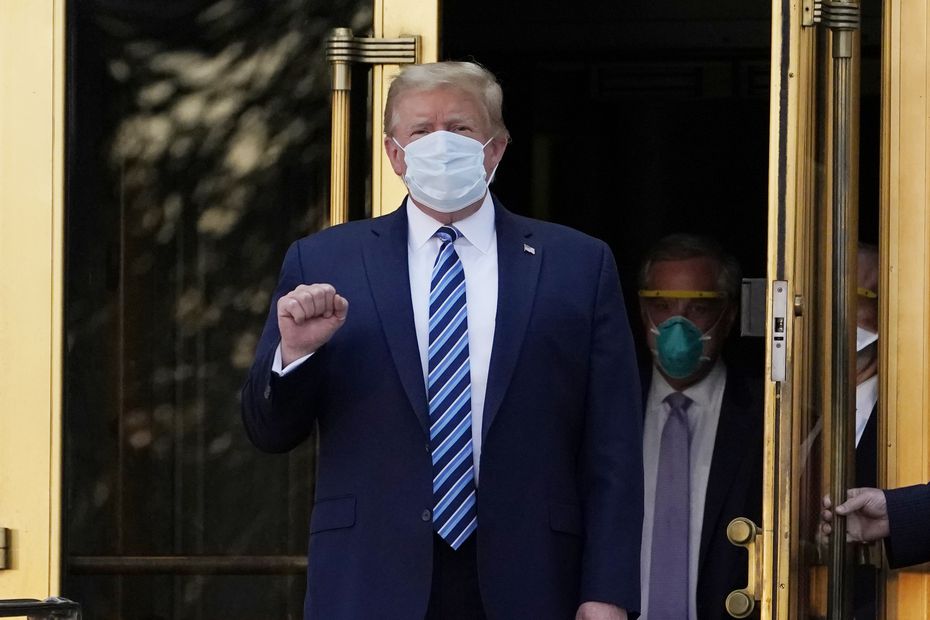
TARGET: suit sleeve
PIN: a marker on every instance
(908, 519)
(277, 410)
(612, 462)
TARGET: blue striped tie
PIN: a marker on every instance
(449, 391)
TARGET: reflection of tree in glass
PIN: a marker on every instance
(201, 152)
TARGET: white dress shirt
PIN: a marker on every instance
(866, 397)
(477, 249)
(703, 416)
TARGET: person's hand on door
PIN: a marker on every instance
(866, 513)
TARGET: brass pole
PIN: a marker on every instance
(342, 50)
(843, 313)
(339, 163)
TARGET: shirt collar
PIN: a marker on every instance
(866, 397)
(477, 228)
(701, 393)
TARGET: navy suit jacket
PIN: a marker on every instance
(909, 521)
(560, 496)
(734, 489)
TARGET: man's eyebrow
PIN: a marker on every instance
(420, 123)
(460, 118)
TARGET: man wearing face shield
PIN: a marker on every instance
(471, 378)
(896, 516)
(702, 442)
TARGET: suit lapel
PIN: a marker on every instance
(518, 273)
(386, 265)
(731, 445)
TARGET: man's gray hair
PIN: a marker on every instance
(467, 76)
(682, 246)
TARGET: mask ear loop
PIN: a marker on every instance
(494, 171)
(705, 336)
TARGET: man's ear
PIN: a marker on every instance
(395, 155)
(495, 151)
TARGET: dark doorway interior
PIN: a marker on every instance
(632, 120)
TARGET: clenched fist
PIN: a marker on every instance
(308, 317)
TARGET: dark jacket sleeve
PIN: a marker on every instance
(612, 464)
(277, 411)
(909, 521)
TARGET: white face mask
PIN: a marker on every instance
(445, 170)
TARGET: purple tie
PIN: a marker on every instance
(668, 576)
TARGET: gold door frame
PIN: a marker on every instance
(811, 203)
(904, 292)
(790, 205)
(32, 80)
(395, 18)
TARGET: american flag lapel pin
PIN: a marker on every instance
(529, 249)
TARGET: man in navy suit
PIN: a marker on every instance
(689, 295)
(471, 377)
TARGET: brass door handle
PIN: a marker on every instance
(744, 533)
(343, 49)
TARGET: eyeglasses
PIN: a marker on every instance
(699, 307)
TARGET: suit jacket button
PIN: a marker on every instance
(427, 515)
(267, 392)
(427, 448)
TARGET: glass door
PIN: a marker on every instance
(198, 150)
(813, 235)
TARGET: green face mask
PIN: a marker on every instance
(679, 347)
